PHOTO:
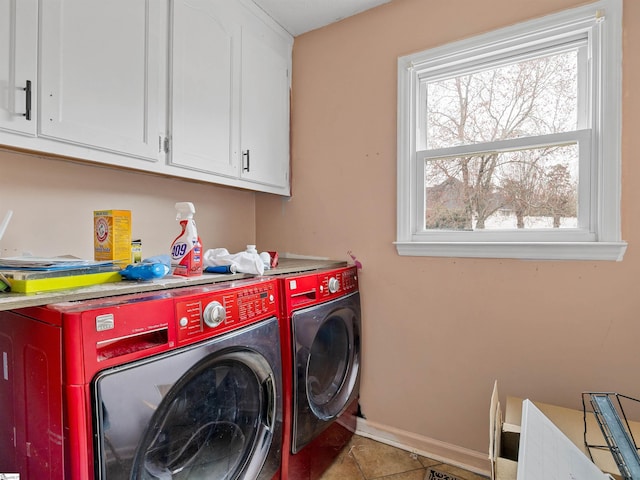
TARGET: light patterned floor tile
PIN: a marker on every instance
(344, 467)
(428, 462)
(412, 475)
(378, 460)
(366, 459)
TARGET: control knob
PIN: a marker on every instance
(214, 314)
(334, 285)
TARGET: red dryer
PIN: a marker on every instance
(321, 341)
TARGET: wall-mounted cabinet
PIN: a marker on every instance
(18, 66)
(230, 93)
(264, 112)
(196, 89)
(205, 51)
(102, 75)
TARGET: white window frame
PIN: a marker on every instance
(599, 143)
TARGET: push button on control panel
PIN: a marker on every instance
(188, 318)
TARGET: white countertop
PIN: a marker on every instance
(11, 301)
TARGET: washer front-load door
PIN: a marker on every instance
(213, 421)
(327, 365)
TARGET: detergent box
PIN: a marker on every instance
(112, 236)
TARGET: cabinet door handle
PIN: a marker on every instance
(27, 101)
(245, 165)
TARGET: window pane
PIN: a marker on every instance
(524, 189)
(533, 97)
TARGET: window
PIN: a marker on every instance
(509, 142)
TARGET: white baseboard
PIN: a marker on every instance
(465, 458)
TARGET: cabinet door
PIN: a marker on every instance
(264, 131)
(205, 63)
(102, 74)
(18, 63)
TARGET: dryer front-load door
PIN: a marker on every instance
(207, 424)
(326, 340)
(192, 415)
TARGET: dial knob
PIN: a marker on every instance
(334, 285)
(214, 314)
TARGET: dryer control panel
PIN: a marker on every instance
(337, 282)
(309, 289)
(213, 311)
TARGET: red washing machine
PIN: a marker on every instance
(180, 384)
(321, 328)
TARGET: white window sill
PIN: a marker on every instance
(519, 250)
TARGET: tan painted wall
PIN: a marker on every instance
(53, 203)
(438, 331)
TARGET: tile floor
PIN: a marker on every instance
(366, 459)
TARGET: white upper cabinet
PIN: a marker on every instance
(205, 47)
(230, 93)
(102, 74)
(196, 89)
(18, 66)
(264, 117)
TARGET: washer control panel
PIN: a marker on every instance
(216, 309)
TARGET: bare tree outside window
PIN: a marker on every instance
(509, 142)
(503, 189)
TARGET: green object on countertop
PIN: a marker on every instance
(5, 286)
